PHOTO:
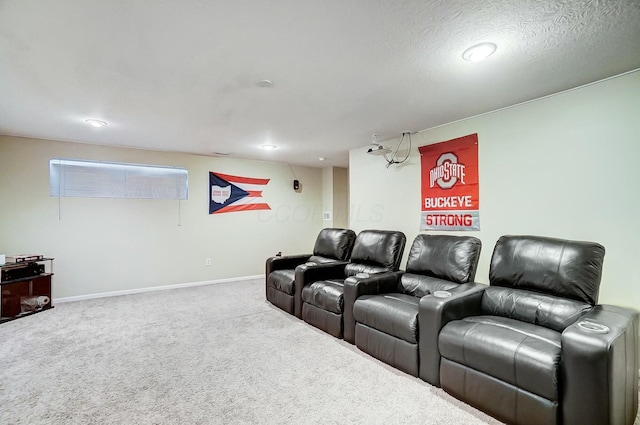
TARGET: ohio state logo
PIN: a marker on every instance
(447, 171)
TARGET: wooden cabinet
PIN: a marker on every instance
(27, 294)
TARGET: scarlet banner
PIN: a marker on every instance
(450, 188)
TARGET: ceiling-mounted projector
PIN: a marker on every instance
(378, 150)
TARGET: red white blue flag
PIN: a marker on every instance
(229, 193)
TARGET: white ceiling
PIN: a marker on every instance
(182, 75)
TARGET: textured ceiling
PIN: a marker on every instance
(182, 75)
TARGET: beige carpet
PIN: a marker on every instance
(215, 354)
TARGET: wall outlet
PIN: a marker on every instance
(207, 261)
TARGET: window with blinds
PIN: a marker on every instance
(99, 179)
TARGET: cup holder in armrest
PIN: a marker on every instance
(594, 327)
(441, 294)
(362, 275)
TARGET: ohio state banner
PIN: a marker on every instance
(450, 188)
(229, 193)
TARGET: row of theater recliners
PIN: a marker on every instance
(532, 348)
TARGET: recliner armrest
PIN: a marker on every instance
(600, 367)
(285, 262)
(307, 274)
(289, 262)
(435, 312)
(364, 284)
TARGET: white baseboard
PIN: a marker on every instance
(152, 288)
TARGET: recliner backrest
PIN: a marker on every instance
(541, 280)
(570, 269)
(376, 251)
(333, 244)
(440, 262)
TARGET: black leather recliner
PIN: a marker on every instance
(374, 251)
(332, 246)
(533, 348)
(381, 314)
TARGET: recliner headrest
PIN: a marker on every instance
(334, 243)
(570, 269)
(379, 248)
(453, 258)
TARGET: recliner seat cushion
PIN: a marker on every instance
(524, 355)
(393, 314)
(326, 295)
(282, 280)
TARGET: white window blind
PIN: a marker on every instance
(93, 179)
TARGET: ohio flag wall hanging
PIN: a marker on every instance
(450, 188)
(229, 193)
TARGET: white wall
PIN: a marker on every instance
(565, 166)
(335, 196)
(103, 245)
(340, 197)
(327, 195)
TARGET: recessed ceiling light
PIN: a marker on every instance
(269, 147)
(95, 123)
(479, 52)
(322, 158)
(265, 83)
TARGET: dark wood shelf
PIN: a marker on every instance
(14, 292)
(26, 313)
(22, 279)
